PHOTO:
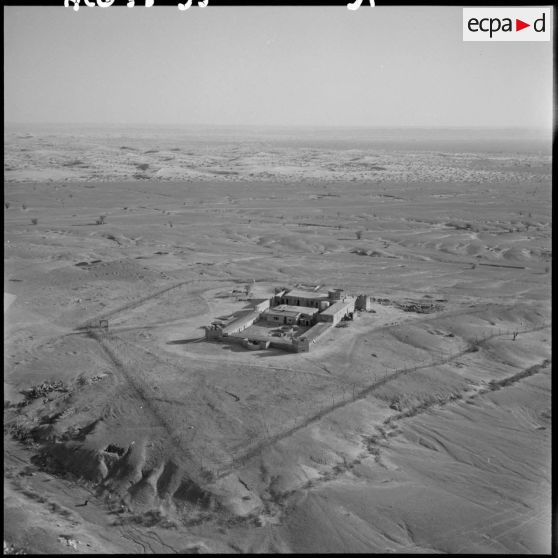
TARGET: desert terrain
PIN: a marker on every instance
(422, 426)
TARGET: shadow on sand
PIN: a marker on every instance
(185, 341)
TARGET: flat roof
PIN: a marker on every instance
(291, 308)
(336, 307)
(299, 293)
(284, 310)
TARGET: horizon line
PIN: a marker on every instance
(287, 126)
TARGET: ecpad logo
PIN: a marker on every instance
(494, 24)
(506, 24)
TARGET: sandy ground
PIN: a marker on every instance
(403, 432)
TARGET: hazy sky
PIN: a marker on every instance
(382, 66)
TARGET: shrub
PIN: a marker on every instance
(34, 221)
(100, 220)
(40, 390)
(359, 235)
(82, 381)
(12, 549)
(207, 475)
(7, 204)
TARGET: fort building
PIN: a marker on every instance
(290, 315)
(298, 297)
(301, 316)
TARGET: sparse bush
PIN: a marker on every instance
(20, 430)
(359, 235)
(34, 221)
(12, 549)
(82, 381)
(40, 390)
(74, 163)
(7, 204)
(23, 206)
(395, 404)
(147, 519)
(101, 220)
(207, 475)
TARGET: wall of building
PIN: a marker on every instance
(262, 305)
(272, 318)
(335, 295)
(307, 320)
(213, 332)
(255, 346)
(304, 343)
(282, 344)
(290, 315)
(300, 298)
(279, 318)
(363, 303)
(336, 312)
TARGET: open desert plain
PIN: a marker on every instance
(421, 425)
